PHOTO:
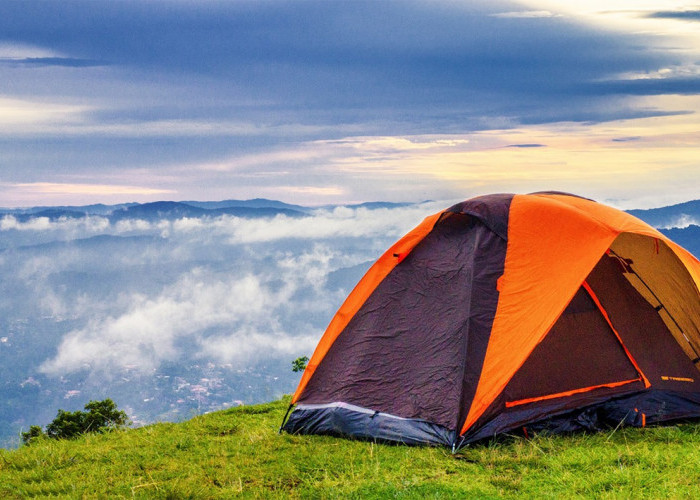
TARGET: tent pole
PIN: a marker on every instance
(285, 418)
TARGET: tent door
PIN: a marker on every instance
(582, 352)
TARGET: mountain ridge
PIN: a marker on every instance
(666, 217)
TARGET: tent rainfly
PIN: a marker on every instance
(510, 312)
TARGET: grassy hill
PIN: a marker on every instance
(238, 452)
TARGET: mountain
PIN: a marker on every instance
(158, 210)
(255, 212)
(374, 205)
(254, 203)
(52, 214)
(680, 215)
(96, 209)
(172, 210)
(688, 237)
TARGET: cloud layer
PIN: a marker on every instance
(133, 294)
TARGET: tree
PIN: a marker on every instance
(101, 416)
(104, 415)
(299, 364)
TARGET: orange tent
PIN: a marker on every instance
(508, 311)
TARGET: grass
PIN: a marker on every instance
(238, 453)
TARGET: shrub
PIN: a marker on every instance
(299, 364)
(33, 433)
(101, 416)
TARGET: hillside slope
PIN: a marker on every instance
(238, 452)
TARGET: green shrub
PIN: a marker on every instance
(299, 364)
(101, 416)
(33, 433)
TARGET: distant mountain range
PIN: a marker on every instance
(680, 222)
(164, 210)
(680, 215)
(171, 210)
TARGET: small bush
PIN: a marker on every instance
(299, 364)
(101, 416)
(33, 433)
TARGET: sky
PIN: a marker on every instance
(320, 102)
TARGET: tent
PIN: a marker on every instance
(509, 312)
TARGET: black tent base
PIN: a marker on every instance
(346, 420)
(639, 409)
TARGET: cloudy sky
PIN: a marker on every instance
(319, 102)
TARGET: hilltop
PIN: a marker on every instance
(238, 452)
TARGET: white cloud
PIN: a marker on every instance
(247, 345)
(331, 223)
(145, 334)
(233, 316)
(679, 71)
(681, 222)
(14, 51)
(526, 14)
(132, 225)
(70, 225)
(223, 289)
(21, 113)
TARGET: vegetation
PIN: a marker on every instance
(101, 416)
(299, 364)
(239, 453)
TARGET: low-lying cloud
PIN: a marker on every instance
(146, 333)
(130, 295)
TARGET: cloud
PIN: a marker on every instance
(526, 14)
(231, 318)
(70, 62)
(223, 289)
(71, 226)
(21, 112)
(146, 333)
(91, 189)
(61, 193)
(10, 50)
(682, 15)
(419, 66)
(626, 139)
(325, 224)
(681, 222)
(318, 101)
(677, 71)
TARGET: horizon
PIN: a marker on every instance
(314, 205)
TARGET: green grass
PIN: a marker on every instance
(238, 452)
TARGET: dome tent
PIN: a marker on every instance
(506, 312)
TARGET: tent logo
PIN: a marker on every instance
(677, 379)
